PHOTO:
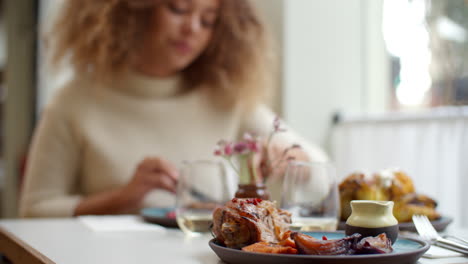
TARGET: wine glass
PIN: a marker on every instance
(310, 193)
(202, 186)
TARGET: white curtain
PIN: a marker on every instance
(432, 147)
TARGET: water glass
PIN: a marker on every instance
(310, 193)
(202, 186)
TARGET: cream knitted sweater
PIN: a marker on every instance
(90, 139)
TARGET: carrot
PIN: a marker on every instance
(263, 247)
(288, 242)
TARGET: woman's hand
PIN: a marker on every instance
(274, 160)
(152, 173)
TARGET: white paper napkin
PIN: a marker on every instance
(438, 252)
(116, 223)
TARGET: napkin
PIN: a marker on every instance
(116, 223)
(438, 252)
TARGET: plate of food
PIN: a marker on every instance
(255, 231)
(405, 250)
(390, 185)
(161, 216)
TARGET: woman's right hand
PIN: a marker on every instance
(151, 173)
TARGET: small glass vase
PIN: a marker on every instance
(252, 190)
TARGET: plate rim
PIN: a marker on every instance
(142, 211)
(425, 246)
(161, 220)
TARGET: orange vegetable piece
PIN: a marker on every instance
(288, 242)
(264, 247)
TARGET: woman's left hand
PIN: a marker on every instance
(274, 160)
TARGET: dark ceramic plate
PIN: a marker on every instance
(405, 251)
(439, 224)
(159, 216)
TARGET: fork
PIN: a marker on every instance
(461, 240)
(427, 232)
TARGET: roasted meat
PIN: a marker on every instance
(242, 222)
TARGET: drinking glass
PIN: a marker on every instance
(310, 193)
(202, 186)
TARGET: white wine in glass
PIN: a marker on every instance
(202, 186)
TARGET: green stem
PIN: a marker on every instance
(253, 168)
(232, 164)
(244, 169)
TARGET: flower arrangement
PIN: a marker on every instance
(245, 151)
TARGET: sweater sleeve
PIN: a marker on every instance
(50, 183)
(261, 120)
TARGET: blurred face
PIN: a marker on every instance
(181, 31)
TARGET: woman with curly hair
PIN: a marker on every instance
(155, 82)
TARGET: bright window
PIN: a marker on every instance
(428, 45)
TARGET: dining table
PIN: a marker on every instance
(75, 241)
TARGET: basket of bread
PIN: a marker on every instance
(387, 185)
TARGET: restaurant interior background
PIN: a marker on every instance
(377, 83)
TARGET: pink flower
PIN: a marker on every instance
(245, 150)
(252, 142)
(241, 148)
(254, 146)
(228, 149)
(224, 148)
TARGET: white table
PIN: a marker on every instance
(68, 241)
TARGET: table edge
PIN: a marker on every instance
(19, 251)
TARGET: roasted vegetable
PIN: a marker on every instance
(264, 247)
(312, 246)
(350, 245)
(374, 245)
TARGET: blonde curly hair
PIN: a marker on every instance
(98, 37)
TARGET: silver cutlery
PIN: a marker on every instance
(428, 232)
(461, 240)
(201, 196)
